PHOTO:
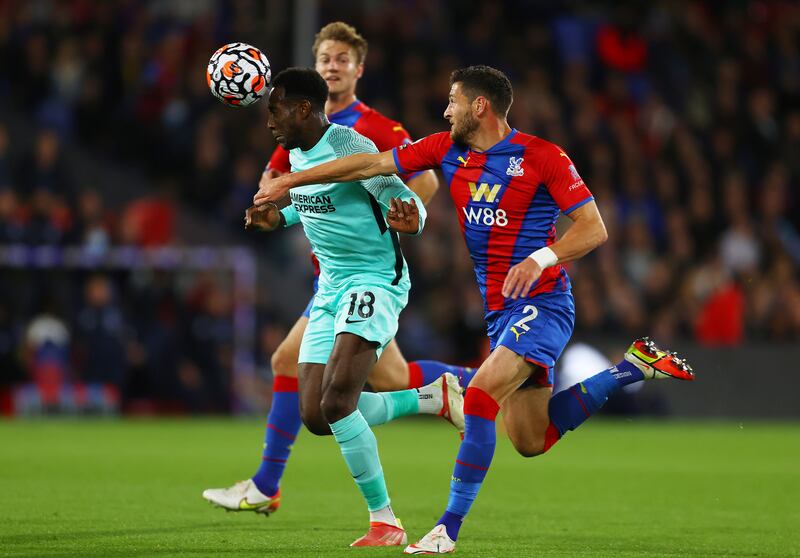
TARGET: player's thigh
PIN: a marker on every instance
(501, 374)
(310, 394)
(390, 373)
(537, 330)
(526, 418)
(315, 350)
(284, 359)
(318, 337)
(345, 374)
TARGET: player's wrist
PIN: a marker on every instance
(545, 257)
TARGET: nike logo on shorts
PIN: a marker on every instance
(349, 321)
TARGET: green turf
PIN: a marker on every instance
(616, 489)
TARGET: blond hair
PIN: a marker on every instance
(344, 33)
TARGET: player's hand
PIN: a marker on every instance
(264, 218)
(520, 278)
(271, 188)
(403, 217)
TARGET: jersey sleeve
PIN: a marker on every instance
(279, 160)
(290, 215)
(562, 180)
(384, 188)
(426, 153)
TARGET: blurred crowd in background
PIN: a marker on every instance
(682, 117)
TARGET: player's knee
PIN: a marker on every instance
(315, 423)
(284, 362)
(335, 407)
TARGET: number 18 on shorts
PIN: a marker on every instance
(369, 311)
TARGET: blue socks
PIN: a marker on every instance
(474, 458)
(360, 452)
(380, 408)
(570, 408)
(626, 373)
(423, 372)
(283, 425)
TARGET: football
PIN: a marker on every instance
(238, 74)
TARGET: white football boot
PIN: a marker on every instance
(444, 397)
(437, 541)
(243, 496)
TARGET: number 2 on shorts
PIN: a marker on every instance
(523, 322)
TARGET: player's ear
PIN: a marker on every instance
(480, 105)
(304, 108)
(360, 71)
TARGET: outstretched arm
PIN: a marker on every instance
(347, 169)
(586, 233)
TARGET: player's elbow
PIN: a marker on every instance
(601, 235)
(596, 233)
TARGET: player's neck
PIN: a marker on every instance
(314, 133)
(339, 101)
(490, 133)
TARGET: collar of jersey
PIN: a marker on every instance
(345, 112)
(322, 140)
(500, 144)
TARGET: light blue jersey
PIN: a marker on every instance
(346, 222)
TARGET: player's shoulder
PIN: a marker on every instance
(536, 146)
(435, 146)
(345, 140)
(439, 139)
(377, 120)
(385, 132)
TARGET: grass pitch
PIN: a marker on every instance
(615, 489)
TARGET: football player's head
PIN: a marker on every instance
(339, 53)
(297, 100)
(475, 92)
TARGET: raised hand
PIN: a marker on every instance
(403, 217)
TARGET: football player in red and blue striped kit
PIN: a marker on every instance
(508, 188)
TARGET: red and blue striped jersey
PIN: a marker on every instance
(508, 199)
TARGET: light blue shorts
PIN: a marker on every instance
(369, 311)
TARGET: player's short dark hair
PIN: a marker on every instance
(344, 33)
(304, 84)
(487, 82)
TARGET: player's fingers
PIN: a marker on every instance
(401, 214)
(525, 282)
(508, 284)
(261, 197)
(525, 287)
(406, 209)
(519, 289)
(517, 285)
